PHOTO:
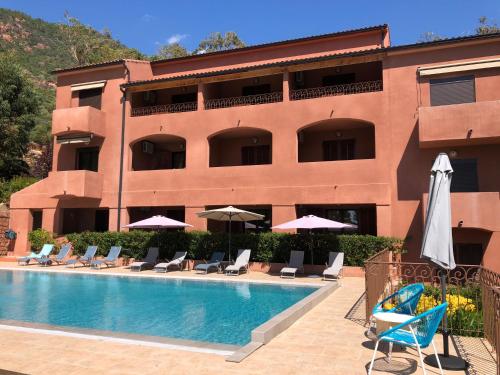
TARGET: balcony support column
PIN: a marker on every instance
(384, 221)
(113, 219)
(286, 86)
(51, 219)
(190, 217)
(283, 213)
(201, 96)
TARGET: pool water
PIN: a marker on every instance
(210, 311)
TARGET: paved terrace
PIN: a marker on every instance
(327, 340)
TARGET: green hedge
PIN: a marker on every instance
(266, 247)
(39, 237)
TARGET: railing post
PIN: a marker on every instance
(286, 86)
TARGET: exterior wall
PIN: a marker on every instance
(5, 244)
(395, 180)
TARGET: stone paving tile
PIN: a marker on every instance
(321, 342)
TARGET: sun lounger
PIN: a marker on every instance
(296, 264)
(241, 263)
(148, 262)
(214, 263)
(335, 264)
(110, 260)
(44, 253)
(175, 262)
(59, 258)
(85, 260)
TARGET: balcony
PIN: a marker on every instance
(336, 90)
(473, 210)
(459, 124)
(164, 108)
(75, 184)
(86, 120)
(237, 101)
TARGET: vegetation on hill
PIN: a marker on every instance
(38, 47)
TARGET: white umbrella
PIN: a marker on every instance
(437, 243)
(157, 222)
(314, 222)
(230, 214)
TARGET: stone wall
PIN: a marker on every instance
(4, 225)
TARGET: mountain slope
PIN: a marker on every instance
(40, 47)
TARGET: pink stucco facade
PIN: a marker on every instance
(376, 119)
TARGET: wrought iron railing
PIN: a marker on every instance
(165, 108)
(236, 101)
(347, 89)
(473, 293)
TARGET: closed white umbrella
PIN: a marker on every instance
(230, 214)
(437, 244)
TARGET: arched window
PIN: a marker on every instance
(159, 152)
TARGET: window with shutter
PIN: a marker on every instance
(456, 90)
(91, 98)
(338, 150)
(464, 178)
(254, 155)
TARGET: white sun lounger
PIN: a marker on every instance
(335, 266)
(241, 263)
(296, 264)
(175, 262)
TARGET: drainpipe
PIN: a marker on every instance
(122, 150)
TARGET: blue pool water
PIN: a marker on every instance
(216, 312)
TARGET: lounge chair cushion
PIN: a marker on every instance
(289, 270)
(206, 266)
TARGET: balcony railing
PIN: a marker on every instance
(236, 101)
(347, 89)
(165, 108)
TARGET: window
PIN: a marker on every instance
(178, 160)
(470, 253)
(456, 90)
(185, 98)
(339, 79)
(338, 150)
(36, 220)
(91, 98)
(101, 222)
(256, 90)
(253, 155)
(87, 158)
(464, 177)
(149, 98)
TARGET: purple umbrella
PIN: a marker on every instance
(157, 222)
(313, 222)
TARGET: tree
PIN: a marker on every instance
(218, 42)
(89, 46)
(43, 162)
(171, 51)
(429, 36)
(19, 108)
(485, 27)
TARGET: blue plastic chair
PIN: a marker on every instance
(406, 300)
(417, 332)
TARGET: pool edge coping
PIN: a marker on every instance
(264, 333)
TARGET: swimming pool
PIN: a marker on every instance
(207, 311)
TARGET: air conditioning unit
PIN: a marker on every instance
(148, 147)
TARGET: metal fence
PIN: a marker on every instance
(236, 101)
(347, 89)
(473, 293)
(164, 108)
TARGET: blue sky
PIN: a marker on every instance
(147, 24)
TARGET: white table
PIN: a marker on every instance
(387, 320)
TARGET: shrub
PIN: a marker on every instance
(266, 247)
(39, 237)
(7, 188)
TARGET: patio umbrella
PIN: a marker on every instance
(313, 222)
(230, 214)
(437, 244)
(157, 222)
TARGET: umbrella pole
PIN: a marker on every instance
(448, 362)
(230, 220)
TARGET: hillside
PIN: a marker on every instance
(40, 47)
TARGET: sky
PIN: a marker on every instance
(146, 25)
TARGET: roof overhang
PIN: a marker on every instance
(88, 85)
(460, 67)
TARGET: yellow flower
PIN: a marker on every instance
(388, 306)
